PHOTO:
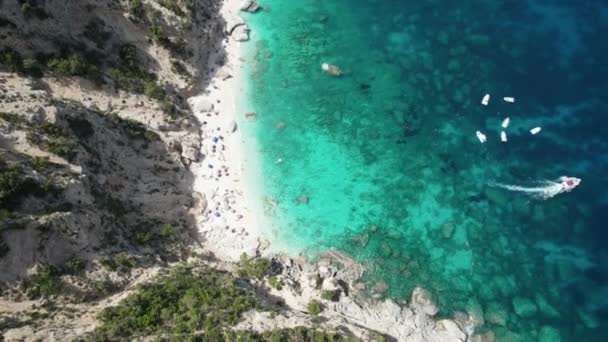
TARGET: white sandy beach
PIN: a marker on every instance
(229, 224)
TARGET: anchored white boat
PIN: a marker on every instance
(482, 138)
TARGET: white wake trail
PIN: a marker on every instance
(551, 189)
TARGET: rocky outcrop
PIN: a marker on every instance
(355, 308)
(424, 301)
(240, 32)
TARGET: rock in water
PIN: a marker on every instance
(240, 33)
(424, 301)
(303, 199)
(496, 314)
(475, 311)
(485, 337)
(447, 230)
(250, 6)
(524, 307)
(549, 334)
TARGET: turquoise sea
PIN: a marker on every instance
(394, 175)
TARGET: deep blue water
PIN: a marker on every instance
(395, 176)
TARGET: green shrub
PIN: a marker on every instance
(330, 295)
(168, 107)
(314, 307)
(75, 65)
(255, 267)
(173, 6)
(11, 60)
(121, 263)
(44, 283)
(134, 129)
(167, 231)
(10, 180)
(153, 90)
(179, 68)
(73, 266)
(40, 163)
(179, 302)
(136, 8)
(61, 146)
(31, 8)
(275, 282)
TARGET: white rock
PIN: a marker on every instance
(424, 301)
(448, 330)
(535, 130)
(231, 127)
(240, 33)
(485, 100)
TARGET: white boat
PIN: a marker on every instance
(482, 138)
(509, 99)
(535, 130)
(505, 122)
(485, 100)
(503, 136)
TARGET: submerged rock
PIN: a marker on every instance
(424, 301)
(475, 311)
(524, 307)
(449, 331)
(496, 314)
(447, 230)
(549, 334)
(488, 336)
(544, 306)
(303, 199)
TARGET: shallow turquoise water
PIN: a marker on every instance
(394, 174)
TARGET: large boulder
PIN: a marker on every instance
(524, 307)
(424, 301)
(240, 33)
(448, 330)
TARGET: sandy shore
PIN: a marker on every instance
(229, 223)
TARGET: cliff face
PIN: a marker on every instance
(97, 138)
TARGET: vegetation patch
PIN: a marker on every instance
(33, 9)
(297, 334)
(46, 282)
(134, 129)
(182, 301)
(275, 282)
(52, 138)
(314, 307)
(121, 263)
(255, 267)
(332, 296)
